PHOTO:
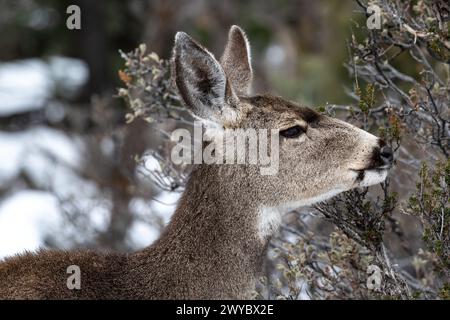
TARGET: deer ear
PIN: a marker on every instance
(236, 61)
(202, 82)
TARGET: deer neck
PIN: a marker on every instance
(216, 214)
(213, 235)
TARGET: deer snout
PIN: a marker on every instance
(387, 155)
(383, 156)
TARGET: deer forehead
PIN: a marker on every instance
(270, 111)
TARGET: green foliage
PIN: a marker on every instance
(444, 292)
(431, 203)
(366, 97)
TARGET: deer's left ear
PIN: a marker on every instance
(236, 61)
(202, 82)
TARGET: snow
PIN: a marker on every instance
(10, 154)
(24, 86)
(27, 85)
(45, 155)
(151, 163)
(142, 234)
(163, 206)
(24, 217)
(26, 149)
(68, 74)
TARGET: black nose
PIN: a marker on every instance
(387, 155)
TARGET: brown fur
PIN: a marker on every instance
(215, 243)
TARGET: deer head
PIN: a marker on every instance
(319, 156)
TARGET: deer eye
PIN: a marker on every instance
(292, 132)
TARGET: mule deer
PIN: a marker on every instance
(216, 241)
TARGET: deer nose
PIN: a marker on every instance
(387, 155)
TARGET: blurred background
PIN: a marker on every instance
(68, 175)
